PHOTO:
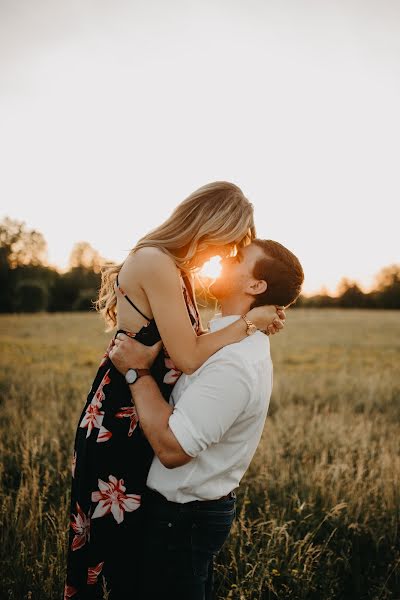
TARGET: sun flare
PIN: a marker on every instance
(212, 268)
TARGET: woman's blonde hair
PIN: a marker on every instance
(216, 214)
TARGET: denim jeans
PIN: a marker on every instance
(181, 541)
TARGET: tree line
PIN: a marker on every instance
(386, 293)
(29, 284)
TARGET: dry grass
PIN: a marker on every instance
(319, 507)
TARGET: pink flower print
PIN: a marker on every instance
(130, 413)
(173, 374)
(93, 573)
(104, 435)
(93, 416)
(69, 591)
(99, 395)
(111, 498)
(73, 465)
(80, 523)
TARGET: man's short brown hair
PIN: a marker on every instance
(282, 271)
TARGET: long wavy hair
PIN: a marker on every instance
(216, 214)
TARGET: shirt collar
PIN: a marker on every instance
(221, 322)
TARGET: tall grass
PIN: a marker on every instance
(318, 510)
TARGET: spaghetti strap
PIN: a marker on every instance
(188, 286)
(129, 300)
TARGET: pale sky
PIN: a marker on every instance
(112, 112)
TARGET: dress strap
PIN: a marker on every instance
(129, 300)
(188, 285)
(190, 299)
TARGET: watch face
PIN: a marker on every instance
(251, 329)
(131, 376)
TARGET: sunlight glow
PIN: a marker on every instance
(212, 268)
(316, 137)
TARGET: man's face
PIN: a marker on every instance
(237, 273)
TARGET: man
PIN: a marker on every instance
(205, 438)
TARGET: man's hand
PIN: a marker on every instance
(126, 353)
(153, 411)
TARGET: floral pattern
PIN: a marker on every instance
(94, 572)
(193, 313)
(112, 498)
(93, 416)
(130, 413)
(111, 455)
(80, 523)
(104, 435)
(172, 375)
(69, 591)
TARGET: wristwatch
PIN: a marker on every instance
(251, 328)
(133, 375)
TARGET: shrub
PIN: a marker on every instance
(31, 296)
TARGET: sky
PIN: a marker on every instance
(112, 112)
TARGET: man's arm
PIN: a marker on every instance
(208, 407)
(154, 414)
(206, 410)
(152, 409)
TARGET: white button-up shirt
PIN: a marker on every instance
(218, 418)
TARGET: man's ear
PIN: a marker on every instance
(258, 286)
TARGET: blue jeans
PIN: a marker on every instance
(181, 541)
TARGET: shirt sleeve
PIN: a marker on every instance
(211, 404)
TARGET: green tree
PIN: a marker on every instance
(388, 287)
(78, 287)
(350, 294)
(19, 247)
(31, 296)
(83, 255)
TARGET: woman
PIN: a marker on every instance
(148, 297)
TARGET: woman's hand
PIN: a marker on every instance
(270, 319)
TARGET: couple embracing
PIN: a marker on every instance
(175, 413)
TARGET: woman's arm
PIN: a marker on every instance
(160, 280)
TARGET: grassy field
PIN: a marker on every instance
(318, 510)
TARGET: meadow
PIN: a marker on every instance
(318, 510)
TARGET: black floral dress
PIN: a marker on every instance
(110, 464)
